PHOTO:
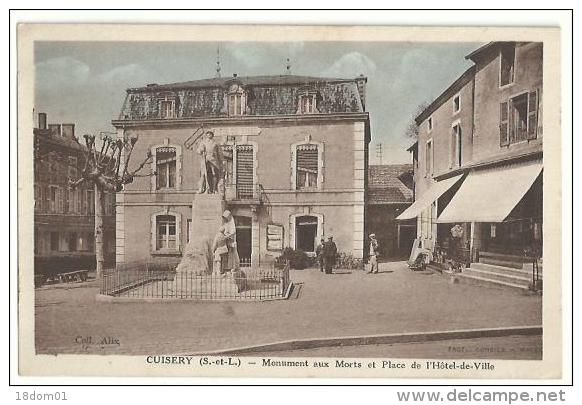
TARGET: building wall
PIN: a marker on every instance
(488, 96)
(71, 215)
(442, 134)
(339, 200)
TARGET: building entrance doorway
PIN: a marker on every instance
(244, 237)
(305, 233)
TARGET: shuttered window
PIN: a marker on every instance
(429, 159)
(244, 171)
(504, 124)
(532, 115)
(307, 166)
(519, 118)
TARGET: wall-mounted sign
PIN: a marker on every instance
(274, 237)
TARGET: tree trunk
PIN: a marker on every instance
(98, 232)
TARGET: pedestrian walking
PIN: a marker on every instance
(373, 260)
(329, 254)
(319, 253)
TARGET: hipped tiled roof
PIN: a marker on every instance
(386, 184)
(265, 95)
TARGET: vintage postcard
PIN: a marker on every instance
(289, 201)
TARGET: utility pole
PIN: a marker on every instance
(379, 153)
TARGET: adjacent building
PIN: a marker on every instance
(295, 157)
(63, 218)
(390, 192)
(479, 157)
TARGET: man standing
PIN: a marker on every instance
(329, 254)
(373, 261)
(211, 166)
(319, 253)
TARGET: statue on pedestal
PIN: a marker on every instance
(210, 164)
(225, 250)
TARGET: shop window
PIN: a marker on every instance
(72, 242)
(54, 240)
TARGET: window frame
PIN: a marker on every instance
(429, 124)
(154, 165)
(455, 149)
(512, 81)
(154, 248)
(455, 97)
(170, 101)
(530, 115)
(236, 92)
(311, 97)
(320, 164)
(427, 172)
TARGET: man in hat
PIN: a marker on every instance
(319, 253)
(373, 260)
(329, 254)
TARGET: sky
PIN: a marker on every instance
(84, 82)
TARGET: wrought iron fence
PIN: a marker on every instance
(152, 280)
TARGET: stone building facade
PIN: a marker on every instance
(64, 219)
(295, 159)
(479, 156)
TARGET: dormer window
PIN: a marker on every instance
(236, 100)
(307, 102)
(167, 107)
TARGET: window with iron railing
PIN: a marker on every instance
(165, 167)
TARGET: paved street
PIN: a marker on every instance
(69, 320)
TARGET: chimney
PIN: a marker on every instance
(41, 120)
(361, 83)
(68, 131)
(55, 130)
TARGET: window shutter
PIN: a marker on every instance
(452, 141)
(307, 164)
(532, 114)
(504, 124)
(244, 171)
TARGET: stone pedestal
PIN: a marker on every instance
(207, 212)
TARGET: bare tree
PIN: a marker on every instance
(412, 128)
(107, 169)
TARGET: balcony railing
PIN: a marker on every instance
(244, 192)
